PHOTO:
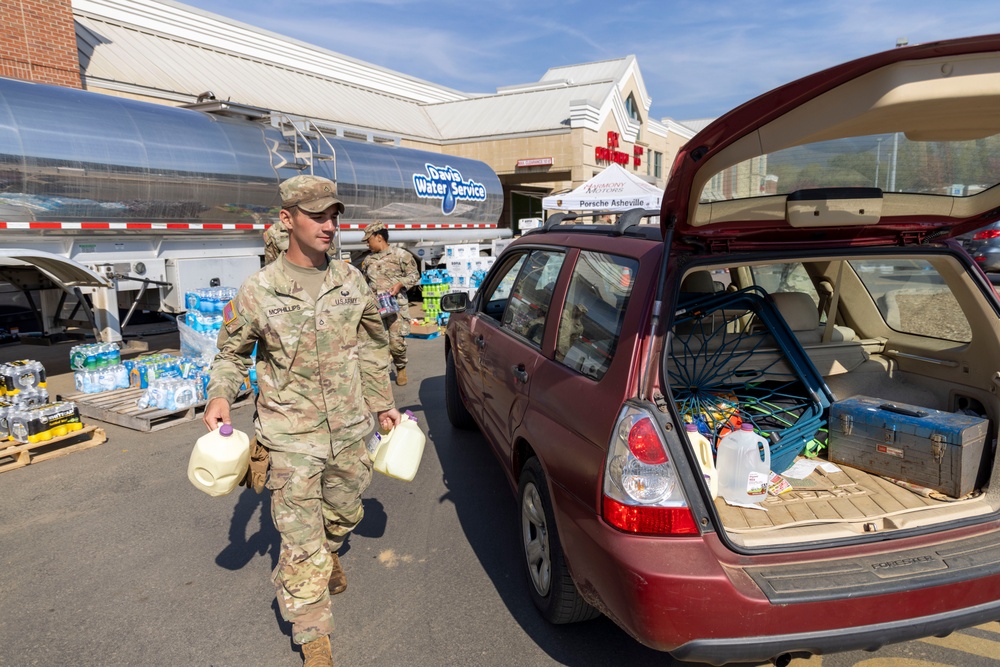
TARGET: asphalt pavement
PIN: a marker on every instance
(109, 556)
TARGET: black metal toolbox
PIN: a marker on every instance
(935, 449)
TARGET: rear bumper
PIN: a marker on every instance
(868, 638)
(697, 600)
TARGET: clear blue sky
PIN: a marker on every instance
(698, 59)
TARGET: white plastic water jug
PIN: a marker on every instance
(219, 460)
(703, 450)
(398, 454)
(744, 466)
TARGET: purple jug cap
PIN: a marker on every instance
(409, 415)
(747, 426)
(690, 428)
(226, 430)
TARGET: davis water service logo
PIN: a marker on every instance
(447, 184)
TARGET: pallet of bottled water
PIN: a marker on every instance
(97, 367)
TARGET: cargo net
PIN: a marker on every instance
(733, 359)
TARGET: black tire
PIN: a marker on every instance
(458, 414)
(549, 582)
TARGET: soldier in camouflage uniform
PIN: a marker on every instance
(393, 270)
(322, 369)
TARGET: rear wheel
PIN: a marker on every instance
(458, 414)
(551, 586)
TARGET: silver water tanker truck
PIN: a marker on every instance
(109, 204)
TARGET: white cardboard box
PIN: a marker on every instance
(456, 266)
(463, 251)
(499, 244)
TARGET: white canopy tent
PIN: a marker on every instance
(614, 189)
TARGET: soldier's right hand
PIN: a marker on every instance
(216, 413)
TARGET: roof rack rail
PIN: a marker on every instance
(626, 219)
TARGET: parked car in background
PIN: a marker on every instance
(984, 246)
(830, 320)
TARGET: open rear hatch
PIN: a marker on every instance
(818, 301)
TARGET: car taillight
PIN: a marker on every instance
(641, 490)
(986, 234)
(644, 442)
(650, 520)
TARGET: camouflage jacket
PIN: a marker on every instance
(386, 268)
(322, 368)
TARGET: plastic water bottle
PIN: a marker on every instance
(400, 450)
(744, 466)
(185, 394)
(219, 460)
(703, 450)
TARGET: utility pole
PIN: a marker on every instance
(878, 158)
(895, 150)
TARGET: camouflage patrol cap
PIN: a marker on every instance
(312, 194)
(373, 227)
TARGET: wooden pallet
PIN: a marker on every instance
(17, 455)
(119, 407)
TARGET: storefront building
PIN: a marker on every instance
(542, 137)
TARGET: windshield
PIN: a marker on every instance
(888, 161)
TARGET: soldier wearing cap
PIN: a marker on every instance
(276, 236)
(322, 370)
(393, 270)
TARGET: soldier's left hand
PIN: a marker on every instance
(388, 419)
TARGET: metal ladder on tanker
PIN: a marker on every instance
(300, 133)
(308, 143)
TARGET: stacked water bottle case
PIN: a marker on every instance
(97, 367)
(25, 412)
(199, 331)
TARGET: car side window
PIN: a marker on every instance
(497, 293)
(914, 298)
(786, 277)
(528, 305)
(592, 317)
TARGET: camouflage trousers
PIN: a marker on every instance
(315, 504)
(398, 326)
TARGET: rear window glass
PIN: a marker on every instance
(887, 161)
(914, 298)
(592, 317)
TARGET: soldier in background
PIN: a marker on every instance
(322, 371)
(393, 270)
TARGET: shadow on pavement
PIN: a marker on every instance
(242, 548)
(487, 510)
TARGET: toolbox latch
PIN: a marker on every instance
(846, 423)
(938, 447)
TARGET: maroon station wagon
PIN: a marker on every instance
(799, 291)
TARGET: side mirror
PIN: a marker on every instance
(454, 302)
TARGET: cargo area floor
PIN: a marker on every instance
(839, 501)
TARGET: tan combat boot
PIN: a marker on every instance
(317, 653)
(401, 377)
(338, 580)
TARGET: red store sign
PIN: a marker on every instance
(610, 153)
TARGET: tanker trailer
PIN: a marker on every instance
(109, 204)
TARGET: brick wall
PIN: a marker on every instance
(38, 42)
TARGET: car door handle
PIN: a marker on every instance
(480, 342)
(520, 373)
